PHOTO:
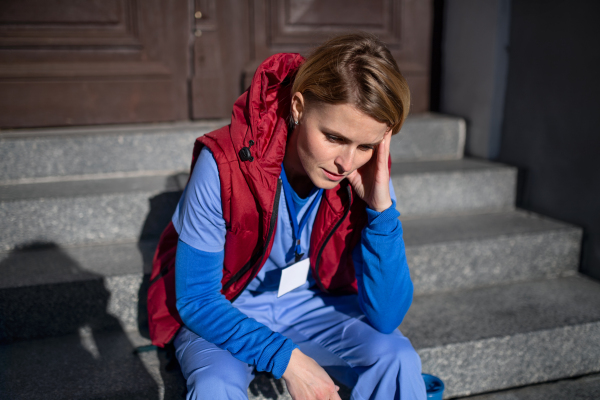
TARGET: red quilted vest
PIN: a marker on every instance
(250, 192)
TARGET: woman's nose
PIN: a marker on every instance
(344, 160)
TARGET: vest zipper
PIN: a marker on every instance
(252, 262)
(337, 225)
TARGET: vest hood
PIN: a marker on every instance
(261, 116)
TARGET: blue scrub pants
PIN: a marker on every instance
(330, 329)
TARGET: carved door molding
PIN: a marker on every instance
(239, 35)
(299, 25)
(79, 62)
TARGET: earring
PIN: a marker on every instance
(296, 122)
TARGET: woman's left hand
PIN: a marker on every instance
(371, 181)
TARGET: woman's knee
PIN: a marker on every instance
(210, 372)
(396, 351)
(217, 382)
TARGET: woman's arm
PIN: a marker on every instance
(384, 286)
(198, 273)
(206, 312)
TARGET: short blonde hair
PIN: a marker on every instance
(356, 69)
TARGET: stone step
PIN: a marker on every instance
(582, 388)
(93, 364)
(429, 136)
(505, 336)
(60, 289)
(101, 210)
(115, 208)
(87, 364)
(466, 251)
(458, 186)
(73, 151)
(477, 341)
(105, 285)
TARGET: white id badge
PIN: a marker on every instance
(293, 276)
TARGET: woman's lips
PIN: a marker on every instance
(332, 176)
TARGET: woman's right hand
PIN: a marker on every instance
(306, 380)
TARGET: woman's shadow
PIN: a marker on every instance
(162, 207)
(56, 333)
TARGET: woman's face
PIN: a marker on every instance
(332, 141)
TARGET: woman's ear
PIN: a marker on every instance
(297, 106)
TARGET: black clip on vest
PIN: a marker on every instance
(245, 154)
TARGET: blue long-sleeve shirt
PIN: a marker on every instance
(384, 285)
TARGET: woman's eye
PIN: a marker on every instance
(366, 147)
(332, 138)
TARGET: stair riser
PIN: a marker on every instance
(79, 151)
(59, 309)
(86, 365)
(517, 360)
(81, 220)
(429, 138)
(455, 192)
(466, 368)
(468, 264)
(113, 217)
(98, 153)
(113, 301)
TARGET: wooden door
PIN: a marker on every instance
(84, 62)
(234, 37)
(81, 62)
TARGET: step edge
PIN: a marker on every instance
(102, 130)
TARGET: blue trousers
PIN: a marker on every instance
(330, 329)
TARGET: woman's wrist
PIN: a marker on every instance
(385, 219)
(381, 206)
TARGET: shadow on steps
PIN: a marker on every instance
(84, 352)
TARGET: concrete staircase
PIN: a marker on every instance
(498, 303)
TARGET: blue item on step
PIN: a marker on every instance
(434, 387)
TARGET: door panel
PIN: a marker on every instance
(246, 32)
(222, 47)
(299, 25)
(78, 62)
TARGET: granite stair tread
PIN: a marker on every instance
(58, 152)
(429, 136)
(449, 166)
(448, 228)
(502, 336)
(156, 181)
(89, 186)
(439, 319)
(55, 152)
(59, 288)
(452, 186)
(87, 364)
(581, 388)
(47, 262)
(470, 250)
(88, 210)
(444, 253)
(477, 341)
(109, 208)
(91, 364)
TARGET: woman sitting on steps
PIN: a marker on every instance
(285, 253)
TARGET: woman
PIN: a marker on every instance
(231, 286)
